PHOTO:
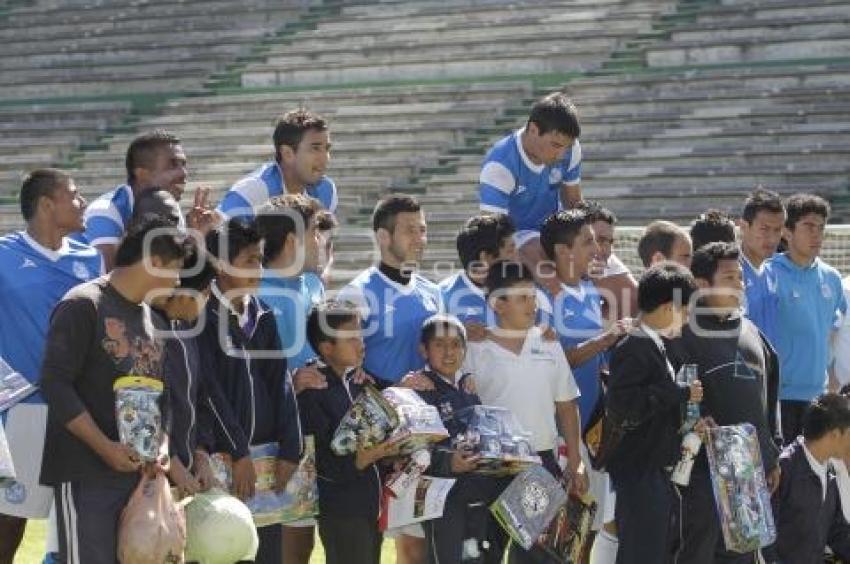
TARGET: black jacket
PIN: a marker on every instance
(344, 491)
(805, 521)
(251, 374)
(643, 397)
(448, 400)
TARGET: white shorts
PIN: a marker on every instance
(412, 530)
(599, 488)
(26, 424)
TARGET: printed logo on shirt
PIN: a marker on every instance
(555, 176)
(135, 354)
(520, 189)
(81, 271)
(16, 493)
(28, 263)
(826, 291)
(742, 369)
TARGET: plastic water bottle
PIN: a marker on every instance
(687, 375)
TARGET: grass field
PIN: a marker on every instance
(32, 550)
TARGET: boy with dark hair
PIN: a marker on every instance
(645, 401)
(301, 153)
(740, 375)
(482, 240)
(154, 160)
(101, 331)
(349, 486)
(663, 240)
(616, 283)
(710, 227)
(38, 265)
(516, 368)
(806, 507)
(761, 225)
(240, 349)
(535, 171)
(807, 300)
(443, 345)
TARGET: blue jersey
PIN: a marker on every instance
(758, 283)
(576, 315)
(392, 316)
(107, 217)
(291, 300)
(256, 189)
(528, 193)
(463, 299)
(808, 302)
(34, 279)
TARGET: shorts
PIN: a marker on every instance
(412, 530)
(25, 427)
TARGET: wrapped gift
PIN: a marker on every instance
(419, 423)
(368, 422)
(494, 434)
(740, 488)
(301, 496)
(138, 416)
(266, 505)
(7, 469)
(567, 537)
(528, 505)
(13, 387)
(423, 501)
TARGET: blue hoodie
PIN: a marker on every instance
(808, 301)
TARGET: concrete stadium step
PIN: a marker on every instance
(772, 9)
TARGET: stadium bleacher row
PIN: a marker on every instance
(684, 104)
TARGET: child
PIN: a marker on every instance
(516, 368)
(349, 486)
(806, 506)
(240, 348)
(443, 344)
(645, 400)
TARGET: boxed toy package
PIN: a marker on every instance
(496, 436)
(528, 505)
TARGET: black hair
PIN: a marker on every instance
(234, 236)
(659, 236)
(800, 205)
(37, 184)
(562, 228)
(389, 207)
(143, 149)
(712, 226)
(555, 112)
(761, 200)
(326, 221)
(167, 244)
(483, 233)
(439, 325)
(504, 274)
(158, 202)
(826, 413)
(708, 257)
(663, 283)
(597, 212)
(326, 318)
(291, 127)
(198, 270)
(275, 223)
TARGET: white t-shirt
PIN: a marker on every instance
(528, 384)
(841, 344)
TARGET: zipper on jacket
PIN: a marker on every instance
(188, 398)
(253, 399)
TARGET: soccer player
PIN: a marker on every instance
(533, 172)
(761, 226)
(101, 331)
(393, 301)
(154, 160)
(662, 241)
(807, 300)
(37, 267)
(302, 150)
(740, 375)
(484, 239)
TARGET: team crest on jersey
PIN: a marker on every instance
(28, 263)
(16, 493)
(81, 271)
(555, 176)
(826, 291)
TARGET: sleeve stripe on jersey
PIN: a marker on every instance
(493, 209)
(108, 213)
(498, 176)
(234, 204)
(105, 241)
(573, 182)
(334, 196)
(252, 190)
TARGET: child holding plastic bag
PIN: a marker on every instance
(153, 526)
